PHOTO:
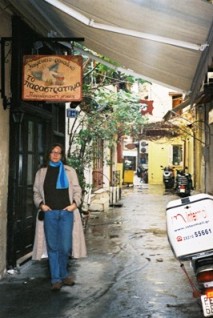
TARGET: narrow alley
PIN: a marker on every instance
(130, 270)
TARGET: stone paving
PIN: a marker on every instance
(130, 270)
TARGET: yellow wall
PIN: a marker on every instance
(200, 164)
(119, 167)
(160, 154)
(190, 156)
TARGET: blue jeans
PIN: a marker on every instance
(58, 225)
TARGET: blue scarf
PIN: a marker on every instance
(62, 181)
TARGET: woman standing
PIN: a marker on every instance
(58, 194)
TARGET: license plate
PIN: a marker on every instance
(207, 304)
(182, 190)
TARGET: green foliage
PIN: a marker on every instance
(75, 162)
(106, 114)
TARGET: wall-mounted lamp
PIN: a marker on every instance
(6, 102)
(17, 116)
(37, 46)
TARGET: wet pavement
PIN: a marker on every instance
(130, 270)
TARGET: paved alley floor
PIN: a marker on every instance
(130, 270)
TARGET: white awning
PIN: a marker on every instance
(168, 42)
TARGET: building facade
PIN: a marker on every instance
(27, 129)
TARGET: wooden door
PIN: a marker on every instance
(98, 164)
(27, 143)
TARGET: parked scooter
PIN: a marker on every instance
(168, 177)
(183, 183)
(190, 234)
(145, 175)
(142, 173)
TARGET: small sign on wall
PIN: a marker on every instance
(72, 113)
(52, 78)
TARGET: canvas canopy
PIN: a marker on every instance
(168, 42)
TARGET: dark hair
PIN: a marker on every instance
(47, 157)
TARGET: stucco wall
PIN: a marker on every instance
(160, 154)
(5, 31)
(207, 148)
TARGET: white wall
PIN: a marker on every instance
(5, 31)
(162, 100)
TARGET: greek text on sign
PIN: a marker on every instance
(189, 216)
(52, 78)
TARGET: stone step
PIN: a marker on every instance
(99, 205)
(101, 193)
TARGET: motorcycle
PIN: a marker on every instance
(145, 175)
(183, 183)
(142, 173)
(168, 177)
(190, 235)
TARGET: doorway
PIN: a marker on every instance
(27, 146)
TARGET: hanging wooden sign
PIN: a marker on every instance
(52, 78)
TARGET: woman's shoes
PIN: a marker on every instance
(68, 281)
(56, 286)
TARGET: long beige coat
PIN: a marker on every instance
(78, 239)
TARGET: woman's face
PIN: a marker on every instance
(55, 154)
